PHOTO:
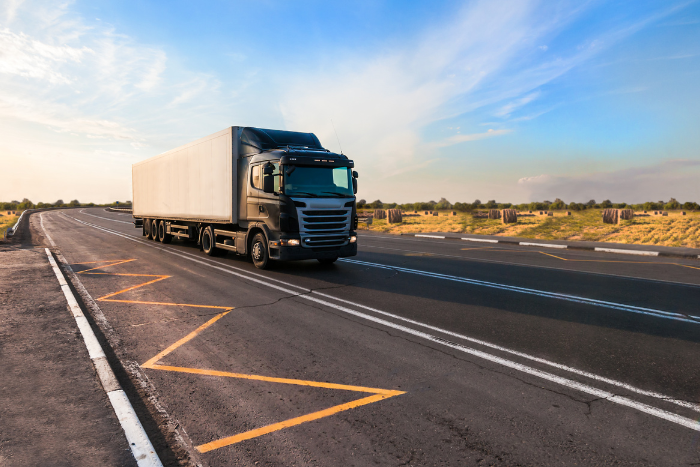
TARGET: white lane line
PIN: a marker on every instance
(628, 252)
(479, 240)
(46, 233)
(429, 236)
(621, 400)
(656, 395)
(541, 293)
(530, 265)
(544, 245)
(136, 436)
(82, 211)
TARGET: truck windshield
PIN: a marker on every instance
(318, 182)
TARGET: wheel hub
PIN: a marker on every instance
(257, 251)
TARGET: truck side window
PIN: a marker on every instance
(256, 179)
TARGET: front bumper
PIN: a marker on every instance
(293, 253)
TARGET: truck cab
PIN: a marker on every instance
(299, 194)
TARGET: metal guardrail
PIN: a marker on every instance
(10, 232)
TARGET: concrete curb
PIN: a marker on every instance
(568, 246)
(136, 436)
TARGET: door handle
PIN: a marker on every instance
(261, 208)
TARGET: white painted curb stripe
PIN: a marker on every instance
(660, 413)
(136, 436)
(543, 245)
(480, 240)
(628, 252)
(429, 236)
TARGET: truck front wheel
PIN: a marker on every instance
(259, 253)
(208, 242)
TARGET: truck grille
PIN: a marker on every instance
(324, 227)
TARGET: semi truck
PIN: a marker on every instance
(271, 195)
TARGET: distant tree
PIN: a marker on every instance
(606, 204)
(389, 206)
(361, 203)
(504, 205)
(557, 204)
(672, 204)
(536, 206)
(691, 206)
(443, 204)
(463, 207)
(25, 204)
(376, 204)
(74, 203)
(591, 203)
(576, 206)
(620, 205)
(90, 204)
(58, 202)
(491, 204)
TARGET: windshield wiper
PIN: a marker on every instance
(340, 195)
(313, 195)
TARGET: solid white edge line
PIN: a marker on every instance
(543, 245)
(480, 240)
(628, 252)
(428, 236)
(136, 436)
(621, 400)
(105, 218)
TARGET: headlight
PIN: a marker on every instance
(352, 239)
(289, 242)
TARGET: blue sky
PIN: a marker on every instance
(508, 100)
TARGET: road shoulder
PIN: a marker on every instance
(54, 409)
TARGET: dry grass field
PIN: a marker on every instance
(7, 220)
(673, 230)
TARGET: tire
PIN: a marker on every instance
(258, 251)
(163, 237)
(209, 241)
(144, 228)
(327, 261)
(154, 230)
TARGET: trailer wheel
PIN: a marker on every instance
(163, 236)
(258, 252)
(154, 230)
(146, 228)
(144, 232)
(209, 242)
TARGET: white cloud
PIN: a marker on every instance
(672, 178)
(456, 139)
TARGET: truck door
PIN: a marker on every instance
(253, 207)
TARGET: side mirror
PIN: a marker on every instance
(354, 185)
(268, 169)
(354, 174)
(268, 183)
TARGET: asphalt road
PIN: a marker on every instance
(415, 352)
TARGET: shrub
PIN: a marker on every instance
(672, 205)
(558, 204)
(376, 204)
(607, 204)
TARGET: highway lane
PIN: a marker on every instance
(457, 406)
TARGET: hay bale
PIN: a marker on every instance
(425, 213)
(415, 212)
(568, 213)
(494, 214)
(454, 213)
(610, 216)
(550, 214)
(435, 213)
(682, 213)
(645, 212)
(510, 216)
(665, 213)
(625, 214)
(379, 214)
(394, 216)
(656, 213)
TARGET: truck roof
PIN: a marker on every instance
(256, 140)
